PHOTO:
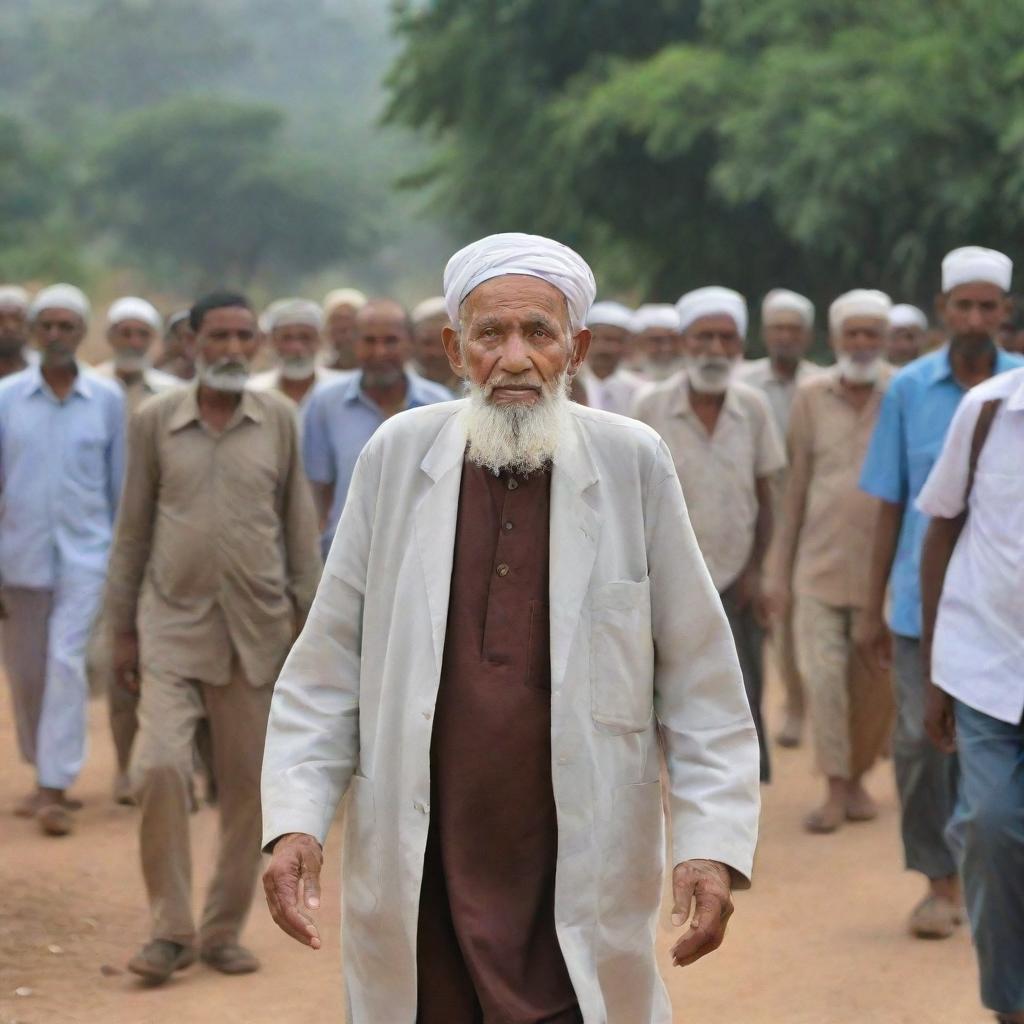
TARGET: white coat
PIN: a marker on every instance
(640, 652)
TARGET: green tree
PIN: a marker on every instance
(209, 186)
(815, 143)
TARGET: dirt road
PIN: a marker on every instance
(819, 940)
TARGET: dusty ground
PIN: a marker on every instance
(819, 940)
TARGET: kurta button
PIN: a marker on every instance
(513, 484)
(503, 569)
(508, 525)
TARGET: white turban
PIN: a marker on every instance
(429, 309)
(343, 297)
(782, 300)
(904, 315)
(60, 296)
(13, 296)
(859, 302)
(972, 264)
(713, 301)
(527, 255)
(660, 315)
(610, 314)
(286, 312)
(133, 308)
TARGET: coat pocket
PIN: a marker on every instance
(633, 860)
(621, 657)
(360, 881)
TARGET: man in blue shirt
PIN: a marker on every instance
(61, 460)
(341, 417)
(908, 437)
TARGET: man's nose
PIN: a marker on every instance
(716, 347)
(515, 354)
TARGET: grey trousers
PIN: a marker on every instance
(749, 639)
(926, 779)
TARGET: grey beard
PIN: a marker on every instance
(381, 378)
(224, 375)
(710, 377)
(128, 361)
(298, 368)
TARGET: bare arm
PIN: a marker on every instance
(323, 499)
(872, 635)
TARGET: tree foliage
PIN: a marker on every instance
(817, 143)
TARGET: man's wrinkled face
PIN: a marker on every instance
(341, 329)
(57, 333)
(974, 312)
(131, 340)
(428, 347)
(13, 330)
(517, 341)
(660, 346)
(608, 347)
(786, 336)
(226, 344)
(713, 346)
(296, 346)
(904, 345)
(859, 346)
(383, 343)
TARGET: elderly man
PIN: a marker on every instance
(822, 550)
(975, 689)
(908, 334)
(294, 328)
(912, 424)
(340, 308)
(343, 416)
(501, 607)
(213, 568)
(178, 356)
(726, 450)
(429, 319)
(13, 329)
(609, 385)
(133, 324)
(657, 341)
(61, 455)
(787, 326)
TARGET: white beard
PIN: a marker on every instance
(519, 438)
(129, 361)
(708, 374)
(223, 375)
(855, 371)
(298, 368)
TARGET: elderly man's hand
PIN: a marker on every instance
(292, 880)
(706, 885)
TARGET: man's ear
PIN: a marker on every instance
(453, 350)
(580, 346)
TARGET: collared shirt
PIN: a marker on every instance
(822, 544)
(146, 384)
(270, 380)
(338, 421)
(216, 545)
(915, 414)
(719, 471)
(617, 392)
(978, 648)
(61, 463)
(780, 391)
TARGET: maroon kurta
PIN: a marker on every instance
(487, 948)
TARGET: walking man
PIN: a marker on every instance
(822, 550)
(908, 334)
(610, 386)
(975, 689)
(912, 423)
(213, 570)
(490, 667)
(61, 460)
(727, 451)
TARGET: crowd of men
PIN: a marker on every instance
(166, 516)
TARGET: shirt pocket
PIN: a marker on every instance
(85, 460)
(621, 657)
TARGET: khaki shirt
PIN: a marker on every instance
(779, 391)
(216, 547)
(719, 471)
(148, 383)
(822, 547)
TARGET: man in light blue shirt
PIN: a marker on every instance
(915, 415)
(341, 417)
(61, 460)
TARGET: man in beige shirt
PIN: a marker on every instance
(726, 449)
(214, 567)
(787, 325)
(822, 553)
